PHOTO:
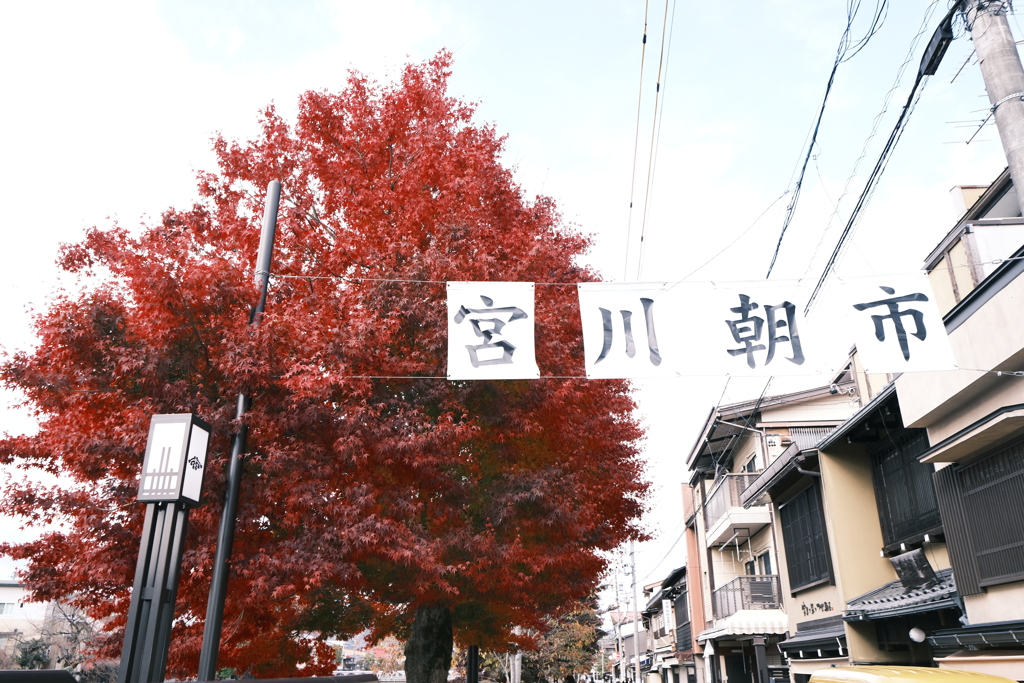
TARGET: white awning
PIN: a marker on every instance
(748, 622)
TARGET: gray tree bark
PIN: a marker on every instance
(428, 652)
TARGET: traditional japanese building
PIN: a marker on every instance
(667, 618)
(973, 422)
(733, 554)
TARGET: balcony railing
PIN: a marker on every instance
(726, 496)
(746, 592)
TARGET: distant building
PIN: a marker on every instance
(20, 620)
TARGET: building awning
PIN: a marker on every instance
(979, 436)
(1005, 663)
(857, 418)
(674, 577)
(654, 604)
(992, 634)
(776, 476)
(893, 600)
(823, 639)
(748, 622)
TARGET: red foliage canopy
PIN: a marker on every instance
(364, 497)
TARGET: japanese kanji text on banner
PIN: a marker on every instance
(896, 325)
(630, 330)
(757, 329)
(490, 330)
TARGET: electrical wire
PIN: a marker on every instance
(347, 278)
(636, 141)
(652, 156)
(846, 50)
(926, 20)
(997, 373)
(667, 552)
(869, 187)
(728, 246)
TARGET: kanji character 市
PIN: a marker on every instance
(896, 316)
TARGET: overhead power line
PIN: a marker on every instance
(847, 49)
(652, 157)
(911, 51)
(928, 66)
(636, 141)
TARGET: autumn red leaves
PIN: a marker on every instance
(363, 498)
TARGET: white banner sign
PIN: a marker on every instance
(896, 325)
(490, 331)
(755, 329)
(629, 330)
(663, 330)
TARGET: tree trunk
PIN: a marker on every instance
(428, 652)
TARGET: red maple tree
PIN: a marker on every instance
(374, 488)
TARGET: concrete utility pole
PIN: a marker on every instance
(636, 612)
(1004, 79)
(226, 531)
(620, 668)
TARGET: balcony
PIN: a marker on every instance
(663, 642)
(726, 519)
(746, 593)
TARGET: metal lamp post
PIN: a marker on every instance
(171, 483)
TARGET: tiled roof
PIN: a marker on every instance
(892, 599)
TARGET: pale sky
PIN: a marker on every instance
(110, 106)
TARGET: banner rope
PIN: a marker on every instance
(670, 285)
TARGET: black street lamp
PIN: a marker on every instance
(170, 484)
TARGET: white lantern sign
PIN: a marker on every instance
(172, 471)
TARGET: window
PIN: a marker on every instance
(658, 625)
(7, 608)
(983, 519)
(751, 568)
(751, 465)
(904, 489)
(680, 607)
(803, 532)
(765, 562)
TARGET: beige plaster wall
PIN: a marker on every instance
(863, 645)
(992, 338)
(837, 407)
(744, 447)
(980, 399)
(815, 603)
(937, 555)
(797, 666)
(1005, 663)
(851, 516)
(867, 385)
(703, 570)
(998, 603)
(695, 585)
